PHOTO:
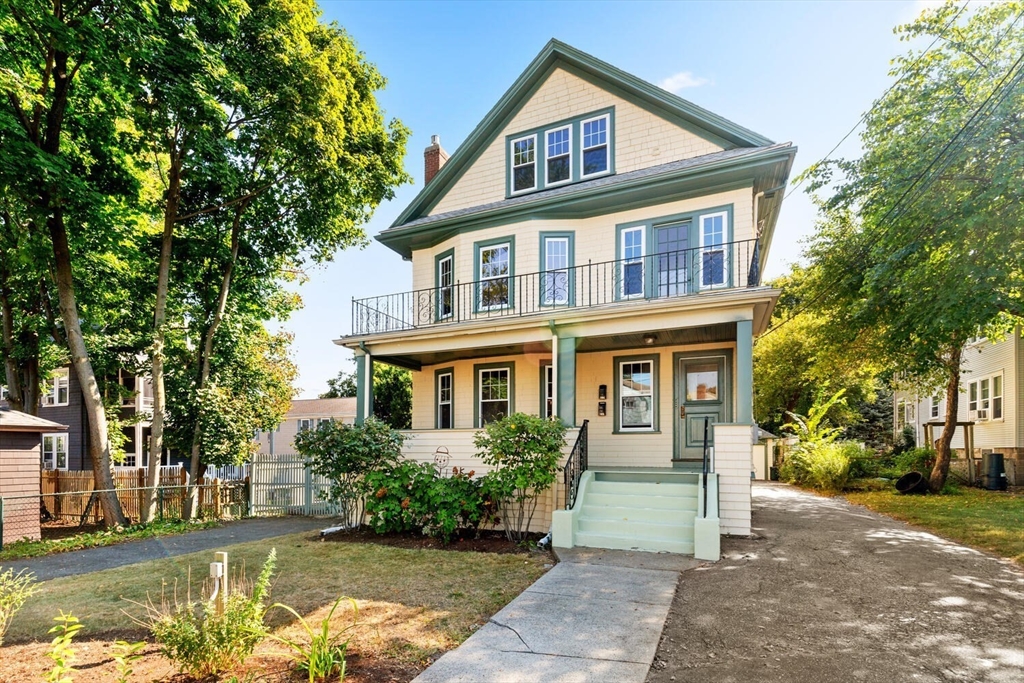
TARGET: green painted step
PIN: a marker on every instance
(642, 488)
(620, 542)
(680, 502)
(678, 531)
(638, 514)
(655, 477)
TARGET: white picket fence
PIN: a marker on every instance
(284, 485)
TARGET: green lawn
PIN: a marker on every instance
(988, 520)
(433, 597)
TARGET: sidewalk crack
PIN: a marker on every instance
(498, 623)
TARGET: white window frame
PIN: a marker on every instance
(622, 396)
(493, 278)
(306, 423)
(442, 287)
(513, 166)
(626, 260)
(320, 421)
(901, 414)
(51, 461)
(936, 402)
(59, 379)
(547, 158)
(607, 145)
(993, 397)
(480, 392)
(3, 392)
(720, 247)
(550, 273)
(548, 409)
(451, 399)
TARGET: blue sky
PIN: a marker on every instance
(793, 71)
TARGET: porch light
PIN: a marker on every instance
(649, 339)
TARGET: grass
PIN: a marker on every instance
(987, 520)
(412, 603)
(20, 550)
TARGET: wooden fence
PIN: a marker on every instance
(65, 495)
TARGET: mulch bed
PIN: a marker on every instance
(488, 541)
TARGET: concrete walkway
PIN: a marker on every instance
(596, 616)
(96, 559)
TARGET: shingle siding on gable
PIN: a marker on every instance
(641, 138)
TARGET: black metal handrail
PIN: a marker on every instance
(655, 276)
(704, 479)
(575, 466)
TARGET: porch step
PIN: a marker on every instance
(669, 531)
(631, 542)
(617, 512)
(646, 489)
(677, 502)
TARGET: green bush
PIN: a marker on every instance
(411, 496)
(915, 460)
(15, 589)
(346, 454)
(823, 466)
(523, 451)
(202, 642)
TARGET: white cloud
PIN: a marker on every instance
(681, 81)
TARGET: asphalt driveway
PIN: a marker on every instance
(828, 591)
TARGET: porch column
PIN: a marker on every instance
(745, 372)
(565, 379)
(364, 387)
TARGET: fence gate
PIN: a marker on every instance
(284, 485)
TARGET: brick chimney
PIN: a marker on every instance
(433, 159)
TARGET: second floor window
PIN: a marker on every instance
(712, 242)
(632, 262)
(495, 269)
(936, 400)
(556, 271)
(56, 391)
(445, 280)
(524, 164)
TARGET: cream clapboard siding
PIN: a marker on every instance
(594, 237)
(422, 446)
(1019, 401)
(642, 139)
(733, 447)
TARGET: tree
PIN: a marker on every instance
(342, 386)
(920, 247)
(796, 364)
(392, 395)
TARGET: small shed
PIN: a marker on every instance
(20, 458)
(763, 455)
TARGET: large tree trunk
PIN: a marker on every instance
(159, 322)
(192, 499)
(942, 452)
(99, 443)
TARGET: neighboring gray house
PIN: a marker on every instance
(21, 436)
(305, 414)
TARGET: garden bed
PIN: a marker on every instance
(466, 541)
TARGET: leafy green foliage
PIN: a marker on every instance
(203, 643)
(815, 427)
(61, 651)
(411, 496)
(915, 460)
(823, 465)
(346, 454)
(15, 589)
(342, 386)
(125, 655)
(324, 656)
(523, 452)
(919, 248)
(392, 395)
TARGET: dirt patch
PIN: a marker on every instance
(829, 591)
(487, 542)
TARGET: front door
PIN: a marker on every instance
(702, 394)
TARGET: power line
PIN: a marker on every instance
(1000, 87)
(884, 94)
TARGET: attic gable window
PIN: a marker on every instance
(595, 146)
(524, 164)
(559, 157)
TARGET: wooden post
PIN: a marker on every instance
(216, 498)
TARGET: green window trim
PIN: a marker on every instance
(511, 367)
(450, 370)
(570, 236)
(539, 134)
(655, 360)
(477, 248)
(649, 225)
(438, 306)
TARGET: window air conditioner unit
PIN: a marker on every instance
(982, 415)
(972, 415)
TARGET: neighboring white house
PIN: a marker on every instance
(592, 252)
(305, 414)
(991, 396)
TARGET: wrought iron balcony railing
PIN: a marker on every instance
(654, 276)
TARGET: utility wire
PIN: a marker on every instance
(1000, 87)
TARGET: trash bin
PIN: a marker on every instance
(993, 467)
(912, 482)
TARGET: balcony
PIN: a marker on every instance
(665, 275)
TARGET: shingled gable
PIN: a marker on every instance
(556, 54)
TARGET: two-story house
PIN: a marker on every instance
(593, 253)
(991, 400)
(304, 414)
